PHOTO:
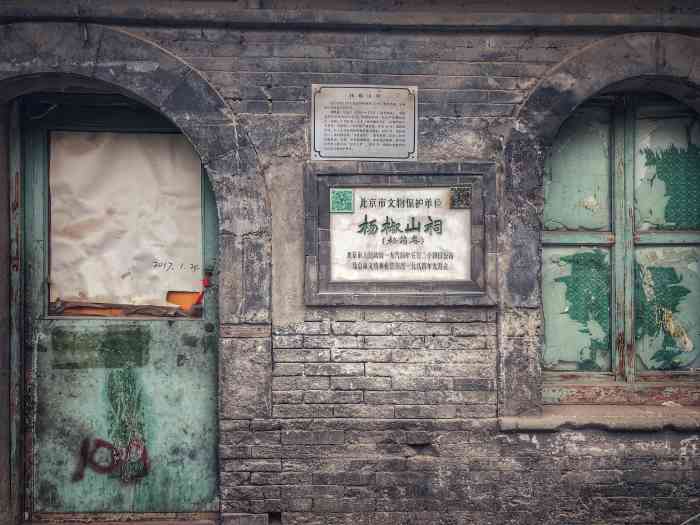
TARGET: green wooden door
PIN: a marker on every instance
(124, 395)
(621, 256)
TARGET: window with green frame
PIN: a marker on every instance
(621, 253)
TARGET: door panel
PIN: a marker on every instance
(125, 409)
(144, 388)
(667, 168)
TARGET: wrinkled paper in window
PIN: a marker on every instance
(126, 217)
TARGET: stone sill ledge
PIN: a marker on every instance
(606, 417)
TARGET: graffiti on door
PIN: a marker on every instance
(129, 463)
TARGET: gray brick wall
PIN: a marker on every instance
(454, 471)
(387, 364)
(388, 416)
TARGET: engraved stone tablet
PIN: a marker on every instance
(364, 122)
(400, 234)
(383, 238)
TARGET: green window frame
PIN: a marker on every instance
(621, 254)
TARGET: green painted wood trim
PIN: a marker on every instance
(607, 417)
(618, 255)
(35, 268)
(557, 377)
(660, 238)
(628, 363)
(691, 375)
(577, 238)
(210, 255)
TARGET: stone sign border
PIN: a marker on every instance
(316, 152)
(320, 290)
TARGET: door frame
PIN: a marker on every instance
(24, 163)
(93, 58)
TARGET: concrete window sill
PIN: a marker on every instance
(606, 417)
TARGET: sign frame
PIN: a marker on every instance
(317, 153)
(320, 179)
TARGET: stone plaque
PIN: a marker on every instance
(378, 237)
(352, 122)
(400, 234)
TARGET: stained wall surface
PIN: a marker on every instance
(390, 415)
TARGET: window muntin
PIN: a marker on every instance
(621, 289)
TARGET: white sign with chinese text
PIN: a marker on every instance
(364, 122)
(400, 234)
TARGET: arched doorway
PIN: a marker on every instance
(78, 59)
(118, 240)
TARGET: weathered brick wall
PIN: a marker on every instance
(387, 416)
(480, 77)
(387, 364)
(453, 471)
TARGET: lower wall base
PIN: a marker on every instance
(377, 472)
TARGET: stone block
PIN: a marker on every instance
(245, 378)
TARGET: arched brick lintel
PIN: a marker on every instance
(51, 56)
(662, 62)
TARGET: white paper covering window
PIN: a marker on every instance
(126, 217)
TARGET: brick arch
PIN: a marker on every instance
(662, 62)
(36, 56)
(63, 57)
(139, 69)
(55, 56)
(600, 65)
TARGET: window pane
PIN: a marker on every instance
(667, 302)
(126, 218)
(576, 296)
(667, 168)
(577, 185)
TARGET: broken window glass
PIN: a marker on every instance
(621, 284)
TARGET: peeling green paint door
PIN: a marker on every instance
(125, 411)
(621, 256)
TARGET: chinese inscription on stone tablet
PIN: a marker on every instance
(364, 122)
(400, 234)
